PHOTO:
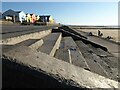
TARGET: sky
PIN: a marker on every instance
(71, 13)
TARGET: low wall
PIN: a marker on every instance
(18, 39)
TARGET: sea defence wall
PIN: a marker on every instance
(59, 58)
(32, 62)
(20, 38)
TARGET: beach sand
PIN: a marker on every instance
(114, 33)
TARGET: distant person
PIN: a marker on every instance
(90, 33)
(99, 32)
(109, 37)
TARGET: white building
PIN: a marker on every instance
(15, 16)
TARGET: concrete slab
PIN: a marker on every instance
(69, 29)
(112, 47)
(75, 54)
(23, 57)
(100, 52)
(107, 61)
(111, 61)
(18, 39)
(51, 43)
(37, 44)
(76, 37)
(63, 54)
(91, 59)
(28, 42)
(107, 69)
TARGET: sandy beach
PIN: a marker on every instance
(106, 32)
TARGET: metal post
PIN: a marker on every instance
(14, 18)
(70, 60)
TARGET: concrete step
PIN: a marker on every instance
(62, 53)
(66, 32)
(100, 52)
(24, 36)
(101, 58)
(47, 68)
(51, 43)
(111, 61)
(32, 43)
(91, 59)
(69, 29)
(71, 53)
(107, 61)
(37, 44)
(112, 74)
(114, 65)
(28, 42)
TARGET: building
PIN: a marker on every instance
(37, 17)
(0, 15)
(51, 20)
(31, 18)
(15, 16)
(28, 18)
(46, 18)
(20, 16)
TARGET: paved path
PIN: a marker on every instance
(19, 28)
(112, 47)
(16, 30)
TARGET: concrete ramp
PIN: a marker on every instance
(32, 62)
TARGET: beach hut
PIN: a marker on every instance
(37, 17)
(51, 20)
(33, 18)
(15, 16)
(46, 18)
(28, 18)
